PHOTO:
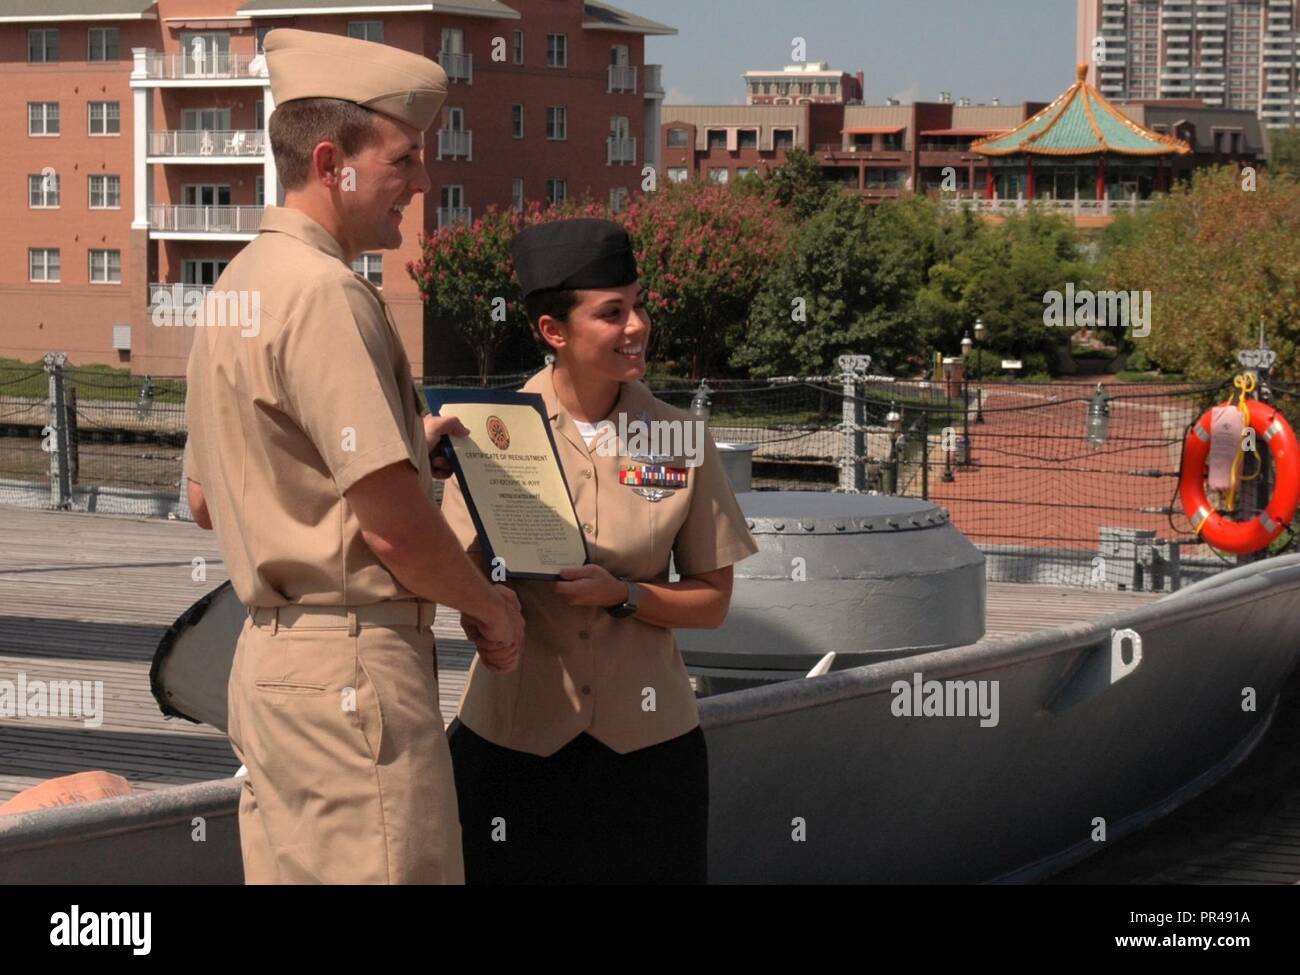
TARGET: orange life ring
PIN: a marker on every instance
(1242, 537)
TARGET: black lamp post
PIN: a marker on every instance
(966, 345)
(979, 371)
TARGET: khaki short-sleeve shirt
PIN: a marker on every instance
(286, 413)
(620, 680)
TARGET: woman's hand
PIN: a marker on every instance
(591, 585)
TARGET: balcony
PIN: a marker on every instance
(455, 144)
(653, 82)
(622, 78)
(213, 66)
(175, 293)
(450, 216)
(620, 151)
(208, 145)
(180, 222)
(459, 66)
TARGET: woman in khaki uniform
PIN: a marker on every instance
(587, 763)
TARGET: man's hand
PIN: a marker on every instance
(435, 428)
(498, 639)
(591, 585)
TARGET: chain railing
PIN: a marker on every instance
(1011, 461)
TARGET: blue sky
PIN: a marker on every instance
(1016, 50)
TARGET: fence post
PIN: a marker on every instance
(60, 484)
(853, 368)
(925, 454)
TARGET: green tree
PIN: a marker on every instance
(1218, 259)
(797, 184)
(848, 287)
(1285, 158)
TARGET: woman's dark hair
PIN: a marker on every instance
(556, 303)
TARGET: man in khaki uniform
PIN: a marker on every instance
(308, 453)
(587, 763)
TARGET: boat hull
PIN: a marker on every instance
(820, 780)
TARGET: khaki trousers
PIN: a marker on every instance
(349, 774)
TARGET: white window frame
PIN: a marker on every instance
(450, 191)
(90, 120)
(45, 253)
(103, 34)
(45, 120)
(686, 138)
(259, 190)
(552, 184)
(517, 125)
(557, 50)
(719, 175)
(517, 194)
(560, 116)
(45, 195)
(617, 198)
(106, 181)
(366, 30)
(107, 269)
(673, 172)
(517, 47)
(371, 263)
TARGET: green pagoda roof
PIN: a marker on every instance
(1080, 123)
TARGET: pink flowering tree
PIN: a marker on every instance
(466, 277)
(702, 250)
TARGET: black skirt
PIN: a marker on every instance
(585, 815)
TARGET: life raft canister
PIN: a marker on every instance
(1242, 537)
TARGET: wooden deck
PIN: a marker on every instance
(87, 597)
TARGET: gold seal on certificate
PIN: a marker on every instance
(514, 487)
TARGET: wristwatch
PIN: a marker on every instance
(629, 605)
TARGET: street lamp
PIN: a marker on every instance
(1098, 418)
(979, 372)
(966, 345)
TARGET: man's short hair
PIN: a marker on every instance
(299, 126)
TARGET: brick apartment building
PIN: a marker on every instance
(887, 151)
(882, 151)
(138, 131)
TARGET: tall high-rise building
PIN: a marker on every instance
(1227, 53)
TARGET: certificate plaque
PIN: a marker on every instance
(509, 471)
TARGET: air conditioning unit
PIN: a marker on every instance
(122, 338)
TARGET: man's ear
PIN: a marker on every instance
(324, 161)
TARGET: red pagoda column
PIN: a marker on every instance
(988, 182)
(1029, 178)
(1101, 178)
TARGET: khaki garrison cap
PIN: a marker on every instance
(309, 64)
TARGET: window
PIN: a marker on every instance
(556, 191)
(42, 118)
(617, 198)
(105, 118)
(517, 121)
(783, 138)
(679, 139)
(105, 192)
(370, 267)
(43, 191)
(105, 267)
(261, 33)
(557, 122)
(367, 30)
(519, 47)
(743, 171)
(42, 45)
(517, 194)
(259, 191)
(43, 264)
(677, 174)
(717, 138)
(259, 114)
(103, 44)
(718, 175)
(747, 139)
(557, 51)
